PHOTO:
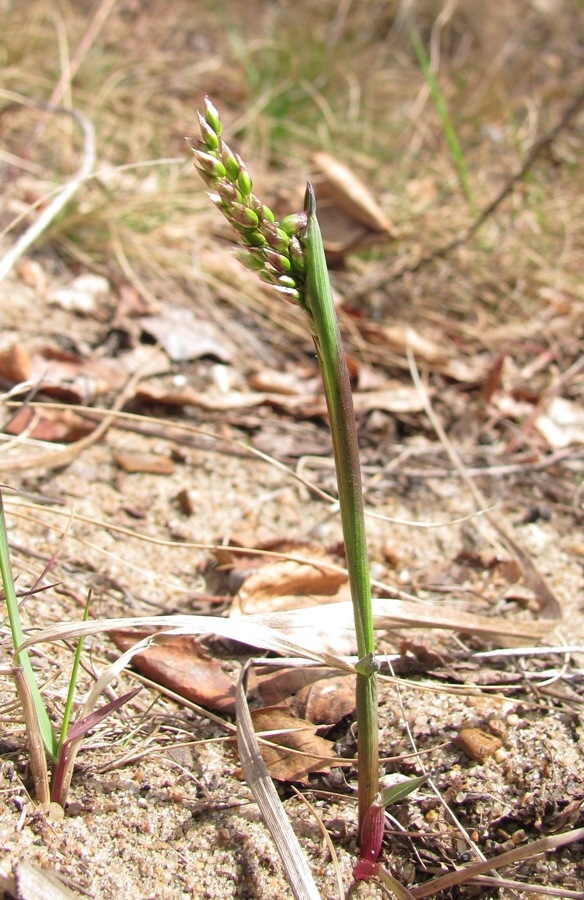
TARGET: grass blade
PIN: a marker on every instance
(445, 120)
(21, 656)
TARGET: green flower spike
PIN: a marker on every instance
(275, 252)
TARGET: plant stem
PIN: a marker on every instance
(289, 254)
(319, 307)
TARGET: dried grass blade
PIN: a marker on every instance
(544, 845)
(389, 614)
(37, 757)
(250, 630)
(261, 785)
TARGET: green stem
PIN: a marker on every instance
(22, 658)
(319, 307)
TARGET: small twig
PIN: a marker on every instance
(384, 278)
(548, 604)
(62, 198)
(544, 845)
(54, 459)
(531, 888)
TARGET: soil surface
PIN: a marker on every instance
(156, 806)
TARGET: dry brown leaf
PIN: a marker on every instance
(71, 378)
(58, 426)
(288, 383)
(399, 337)
(187, 396)
(283, 583)
(395, 398)
(351, 195)
(184, 666)
(144, 462)
(15, 364)
(315, 694)
(297, 734)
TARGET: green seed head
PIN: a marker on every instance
(230, 162)
(208, 136)
(251, 259)
(267, 214)
(276, 238)
(243, 179)
(297, 255)
(294, 223)
(243, 215)
(273, 250)
(254, 238)
(290, 294)
(209, 164)
(280, 262)
(212, 117)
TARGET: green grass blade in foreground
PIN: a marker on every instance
(22, 657)
(319, 306)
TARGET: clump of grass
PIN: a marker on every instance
(42, 739)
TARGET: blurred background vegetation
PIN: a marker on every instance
(292, 78)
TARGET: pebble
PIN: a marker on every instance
(477, 744)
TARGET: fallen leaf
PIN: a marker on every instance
(293, 734)
(402, 337)
(398, 338)
(351, 195)
(65, 376)
(275, 382)
(184, 337)
(58, 426)
(184, 666)
(312, 693)
(187, 396)
(281, 583)
(561, 423)
(144, 462)
(395, 398)
(15, 364)
(86, 295)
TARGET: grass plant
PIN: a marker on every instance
(289, 254)
(21, 657)
(42, 739)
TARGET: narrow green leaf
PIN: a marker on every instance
(72, 681)
(397, 792)
(445, 120)
(22, 657)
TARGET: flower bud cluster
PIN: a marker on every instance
(272, 248)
